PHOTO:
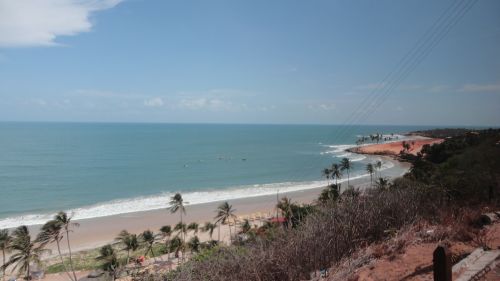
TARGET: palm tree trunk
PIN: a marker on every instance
(62, 260)
(153, 253)
(183, 237)
(347, 178)
(230, 236)
(70, 258)
(128, 256)
(3, 263)
(218, 235)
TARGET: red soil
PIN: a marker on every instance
(394, 148)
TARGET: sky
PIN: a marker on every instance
(235, 61)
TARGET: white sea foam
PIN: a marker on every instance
(160, 201)
(356, 157)
(340, 147)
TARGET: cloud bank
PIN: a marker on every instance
(30, 23)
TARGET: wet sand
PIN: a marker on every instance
(96, 232)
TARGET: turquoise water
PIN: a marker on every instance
(101, 169)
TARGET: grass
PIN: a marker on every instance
(87, 260)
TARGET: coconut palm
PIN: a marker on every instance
(129, 241)
(181, 228)
(246, 226)
(149, 239)
(225, 212)
(25, 251)
(328, 194)
(166, 232)
(66, 224)
(370, 169)
(5, 241)
(346, 165)
(51, 232)
(177, 204)
(194, 244)
(382, 183)
(378, 165)
(336, 172)
(176, 245)
(194, 227)
(326, 173)
(109, 260)
(209, 227)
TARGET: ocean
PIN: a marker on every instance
(96, 169)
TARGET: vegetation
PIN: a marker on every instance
(109, 260)
(26, 252)
(346, 165)
(5, 241)
(225, 213)
(64, 221)
(209, 227)
(129, 241)
(462, 172)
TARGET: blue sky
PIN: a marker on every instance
(237, 61)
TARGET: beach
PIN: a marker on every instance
(393, 148)
(96, 232)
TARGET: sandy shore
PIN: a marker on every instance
(96, 232)
(394, 148)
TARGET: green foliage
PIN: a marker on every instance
(329, 194)
(465, 167)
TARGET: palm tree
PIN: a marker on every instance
(194, 227)
(326, 173)
(149, 239)
(285, 205)
(176, 245)
(194, 244)
(177, 204)
(336, 172)
(166, 232)
(52, 231)
(65, 221)
(378, 165)
(5, 241)
(328, 194)
(209, 227)
(129, 241)
(224, 213)
(245, 226)
(346, 165)
(26, 251)
(110, 261)
(382, 183)
(181, 228)
(370, 169)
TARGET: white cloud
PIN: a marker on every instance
(322, 106)
(154, 102)
(209, 104)
(26, 23)
(439, 88)
(480, 88)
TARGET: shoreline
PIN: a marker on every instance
(393, 148)
(96, 232)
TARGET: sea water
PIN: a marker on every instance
(96, 169)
